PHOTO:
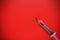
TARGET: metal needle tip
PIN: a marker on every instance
(36, 18)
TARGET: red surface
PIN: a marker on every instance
(18, 19)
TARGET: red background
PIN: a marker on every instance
(18, 19)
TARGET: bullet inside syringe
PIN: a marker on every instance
(44, 26)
